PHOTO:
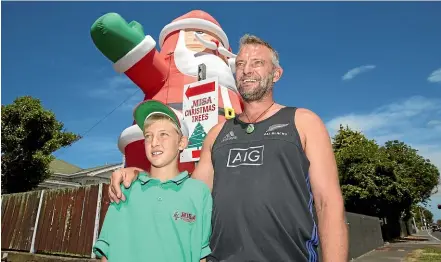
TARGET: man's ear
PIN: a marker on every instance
(183, 143)
(278, 71)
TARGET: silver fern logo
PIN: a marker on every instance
(272, 130)
(275, 127)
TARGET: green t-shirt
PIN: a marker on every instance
(168, 221)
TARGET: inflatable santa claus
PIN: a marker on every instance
(188, 41)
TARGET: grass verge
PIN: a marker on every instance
(427, 254)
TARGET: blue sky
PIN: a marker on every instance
(371, 65)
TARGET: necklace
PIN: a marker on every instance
(250, 127)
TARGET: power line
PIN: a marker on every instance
(108, 114)
(102, 119)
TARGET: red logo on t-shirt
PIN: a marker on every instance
(187, 217)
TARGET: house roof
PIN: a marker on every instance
(95, 170)
(57, 183)
(68, 175)
(65, 172)
(87, 170)
(60, 166)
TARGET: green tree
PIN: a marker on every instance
(416, 173)
(385, 181)
(197, 138)
(367, 177)
(30, 134)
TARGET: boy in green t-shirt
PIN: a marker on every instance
(169, 213)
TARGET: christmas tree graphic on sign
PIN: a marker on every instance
(197, 138)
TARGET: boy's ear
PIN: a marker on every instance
(183, 143)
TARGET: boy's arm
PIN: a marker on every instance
(206, 223)
(102, 245)
(104, 259)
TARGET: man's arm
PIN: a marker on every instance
(123, 175)
(325, 186)
(204, 169)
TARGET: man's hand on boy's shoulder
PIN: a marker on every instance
(125, 176)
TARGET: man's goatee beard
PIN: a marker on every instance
(265, 86)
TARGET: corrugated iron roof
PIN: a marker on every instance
(60, 166)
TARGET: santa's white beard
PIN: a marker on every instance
(187, 63)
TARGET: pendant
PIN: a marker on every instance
(250, 128)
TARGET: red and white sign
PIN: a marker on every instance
(200, 109)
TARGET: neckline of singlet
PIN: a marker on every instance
(261, 121)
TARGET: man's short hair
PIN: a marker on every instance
(248, 39)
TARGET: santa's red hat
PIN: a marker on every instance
(196, 19)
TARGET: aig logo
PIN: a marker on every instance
(252, 156)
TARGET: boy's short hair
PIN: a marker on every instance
(160, 117)
(153, 110)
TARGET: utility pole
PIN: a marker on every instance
(423, 219)
(202, 72)
(414, 224)
(202, 75)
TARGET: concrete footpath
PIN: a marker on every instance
(398, 250)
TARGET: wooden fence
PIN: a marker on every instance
(66, 222)
(62, 222)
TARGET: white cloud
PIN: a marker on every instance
(438, 193)
(415, 121)
(434, 123)
(112, 87)
(435, 77)
(358, 70)
(118, 88)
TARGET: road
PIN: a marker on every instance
(437, 234)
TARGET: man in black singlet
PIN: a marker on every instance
(272, 172)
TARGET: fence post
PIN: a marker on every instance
(97, 218)
(34, 234)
